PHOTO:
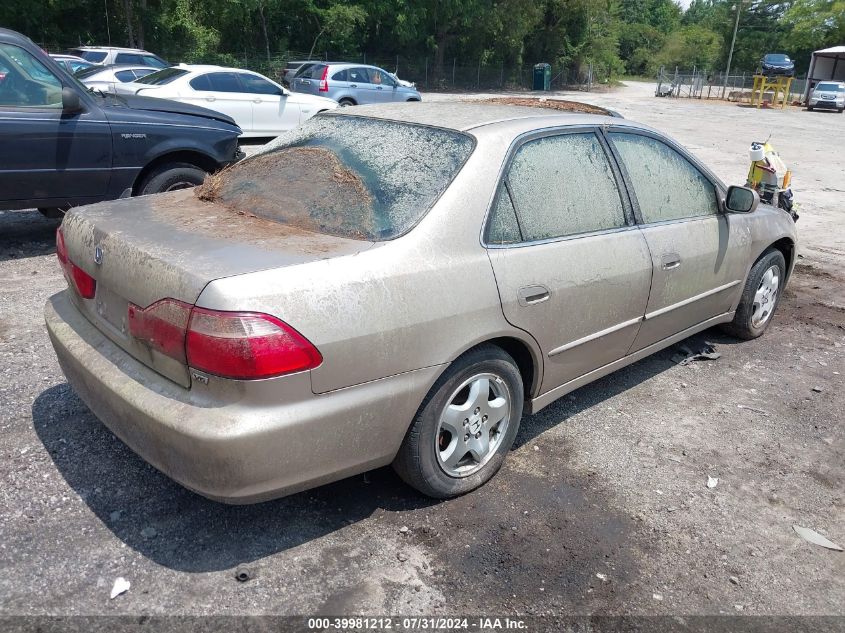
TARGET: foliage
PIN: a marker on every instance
(611, 36)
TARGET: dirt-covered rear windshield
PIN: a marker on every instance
(347, 176)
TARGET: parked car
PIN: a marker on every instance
(63, 145)
(775, 64)
(105, 78)
(261, 107)
(290, 70)
(399, 285)
(353, 84)
(828, 94)
(110, 55)
(72, 63)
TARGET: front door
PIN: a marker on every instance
(698, 253)
(223, 92)
(273, 112)
(572, 268)
(47, 153)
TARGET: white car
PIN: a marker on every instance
(261, 107)
(106, 78)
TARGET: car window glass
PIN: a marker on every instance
(93, 56)
(339, 76)
(162, 77)
(152, 60)
(383, 78)
(125, 75)
(503, 228)
(313, 72)
(27, 82)
(129, 58)
(224, 82)
(667, 185)
(359, 75)
(302, 71)
(200, 83)
(564, 185)
(257, 85)
(143, 72)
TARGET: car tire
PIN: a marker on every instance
(343, 103)
(53, 213)
(760, 297)
(425, 461)
(809, 108)
(171, 177)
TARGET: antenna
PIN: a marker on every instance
(106, 8)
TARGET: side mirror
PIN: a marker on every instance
(70, 100)
(741, 200)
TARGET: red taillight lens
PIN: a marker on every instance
(246, 345)
(84, 283)
(324, 80)
(161, 325)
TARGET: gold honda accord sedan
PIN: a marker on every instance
(399, 284)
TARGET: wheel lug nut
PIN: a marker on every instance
(477, 409)
(466, 422)
(483, 418)
(478, 435)
(466, 437)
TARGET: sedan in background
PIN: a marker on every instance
(353, 84)
(105, 78)
(261, 107)
(775, 64)
(72, 63)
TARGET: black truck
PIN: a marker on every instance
(62, 145)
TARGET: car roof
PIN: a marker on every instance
(468, 115)
(110, 48)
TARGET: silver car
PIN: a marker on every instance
(399, 285)
(107, 78)
(353, 84)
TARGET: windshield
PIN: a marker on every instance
(777, 58)
(347, 176)
(829, 87)
(162, 77)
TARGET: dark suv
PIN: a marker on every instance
(63, 145)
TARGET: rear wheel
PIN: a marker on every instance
(346, 102)
(465, 426)
(171, 177)
(809, 108)
(760, 297)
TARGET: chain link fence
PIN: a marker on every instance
(455, 74)
(704, 84)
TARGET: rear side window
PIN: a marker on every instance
(503, 227)
(125, 75)
(339, 75)
(560, 186)
(93, 56)
(667, 186)
(224, 82)
(329, 176)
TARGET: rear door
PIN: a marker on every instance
(699, 254)
(272, 111)
(224, 93)
(47, 153)
(572, 268)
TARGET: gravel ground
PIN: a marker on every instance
(601, 509)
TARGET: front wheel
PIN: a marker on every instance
(465, 426)
(760, 297)
(53, 213)
(171, 177)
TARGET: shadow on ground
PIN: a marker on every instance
(183, 531)
(26, 234)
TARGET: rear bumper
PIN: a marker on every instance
(255, 447)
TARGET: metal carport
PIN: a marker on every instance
(825, 65)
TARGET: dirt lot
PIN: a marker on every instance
(611, 480)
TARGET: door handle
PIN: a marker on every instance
(670, 261)
(211, 99)
(256, 100)
(530, 295)
(353, 85)
(378, 87)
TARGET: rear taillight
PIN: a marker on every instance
(324, 80)
(161, 325)
(246, 345)
(77, 278)
(239, 345)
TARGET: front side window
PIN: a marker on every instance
(258, 85)
(560, 186)
(667, 186)
(27, 82)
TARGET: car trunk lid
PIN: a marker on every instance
(145, 249)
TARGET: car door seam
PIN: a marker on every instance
(690, 300)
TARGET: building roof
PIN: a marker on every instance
(833, 50)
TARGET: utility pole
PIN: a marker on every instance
(738, 8)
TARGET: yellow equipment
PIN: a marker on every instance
(779, 85)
